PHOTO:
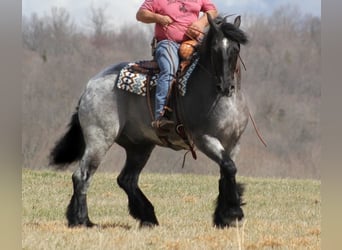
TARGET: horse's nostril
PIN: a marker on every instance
(218, 88)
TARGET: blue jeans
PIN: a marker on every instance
(166, 55)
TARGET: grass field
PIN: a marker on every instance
(279, 214)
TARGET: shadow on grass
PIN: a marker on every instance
(114, 225)
(58, 225)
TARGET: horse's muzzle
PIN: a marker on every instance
(225, 90)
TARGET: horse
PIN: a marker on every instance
(214, 111)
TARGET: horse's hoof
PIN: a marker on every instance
(147, 224)
(229, 223)
(91, 224)
(87, 223)
(232, 219)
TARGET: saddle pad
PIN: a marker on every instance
(132, 81)
(135, 82)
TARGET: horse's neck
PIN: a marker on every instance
(206, 75)
(206, 72)
(204, 86)
(208, 82)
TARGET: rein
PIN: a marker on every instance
(256, 129)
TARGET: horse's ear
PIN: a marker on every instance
(237, 21)
(212, 24)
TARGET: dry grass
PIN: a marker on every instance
(280, 214)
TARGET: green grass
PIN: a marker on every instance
(279, 214)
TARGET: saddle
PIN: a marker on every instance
(186, 53)
(146, 67)
(149, 68)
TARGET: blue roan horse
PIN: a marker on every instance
(214, 112)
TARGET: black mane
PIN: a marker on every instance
(233, 33)
(229, 30)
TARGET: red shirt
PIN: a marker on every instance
(182, 12)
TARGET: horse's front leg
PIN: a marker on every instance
(229, 201)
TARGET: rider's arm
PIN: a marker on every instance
(197, 27)
(147, 16)
(204, 20)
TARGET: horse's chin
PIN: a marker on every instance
(227, 93)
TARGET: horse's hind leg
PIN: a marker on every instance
(228, 207)
(77, 211)
(139, 206)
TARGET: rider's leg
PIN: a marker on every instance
(168, 62)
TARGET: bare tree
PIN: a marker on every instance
(61, 30)
(34, 34)
(98, 22)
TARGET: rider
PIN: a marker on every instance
(175, 21)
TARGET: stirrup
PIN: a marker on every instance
(163, 124)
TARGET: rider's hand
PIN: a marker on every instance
(164, 20)
(195, 30)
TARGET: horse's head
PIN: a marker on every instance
(223, 48)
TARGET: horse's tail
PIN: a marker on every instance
(70, 147)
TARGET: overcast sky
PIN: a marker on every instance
(123, 11)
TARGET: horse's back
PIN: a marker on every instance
(110, 70)
(112, 111)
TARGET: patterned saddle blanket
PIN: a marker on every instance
(135, 81)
